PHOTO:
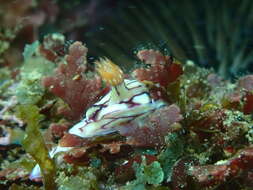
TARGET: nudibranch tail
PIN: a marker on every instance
(36, 172)
(110, 72)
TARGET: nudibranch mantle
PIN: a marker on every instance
(125, 102)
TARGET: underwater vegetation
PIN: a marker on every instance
(167, 125)
(109, 110)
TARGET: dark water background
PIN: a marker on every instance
(214, 33)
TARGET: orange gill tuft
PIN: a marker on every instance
(110, 72)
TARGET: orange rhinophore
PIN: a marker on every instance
(110, 72)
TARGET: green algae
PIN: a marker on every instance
(171, 154)
(249, 135)
(151, 174)
(16, 136)
(30, 50)
(23, 187)
(84, 179)
(95, 162)
(5, 81)
(34, 144)
(7, 35)
(29, 89)
(4, 46)
(24, 162)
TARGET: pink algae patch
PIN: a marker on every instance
(163, 69)
(70, 83)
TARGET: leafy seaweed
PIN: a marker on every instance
(34, 144)
(151, 174)
(5, 81)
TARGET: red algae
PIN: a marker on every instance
(248, 103)
(154, 128)
(70, 83)
(213, 175)
(163, 69)
(246, 83)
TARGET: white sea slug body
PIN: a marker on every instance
(125, 102)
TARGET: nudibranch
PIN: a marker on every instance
(126, 101)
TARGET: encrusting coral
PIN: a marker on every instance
(165, 125)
